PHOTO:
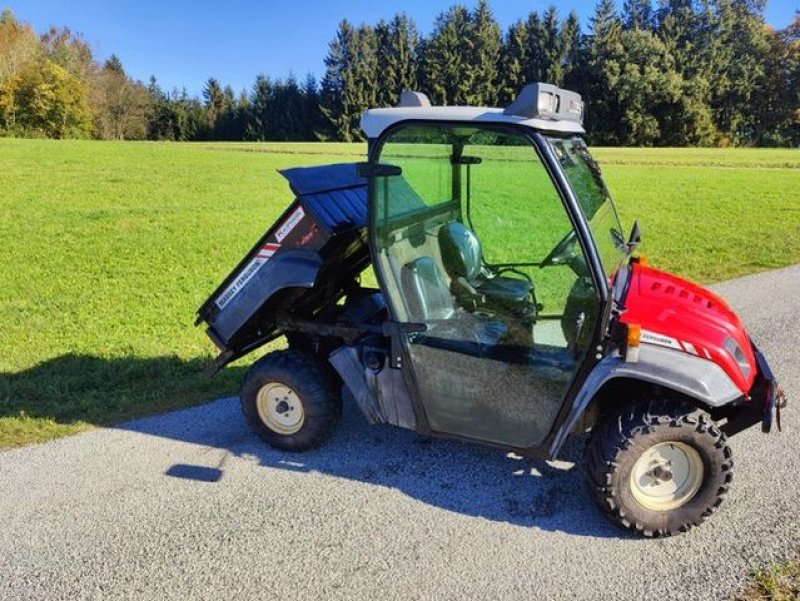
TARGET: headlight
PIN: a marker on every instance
(738, 354)
(547, 103)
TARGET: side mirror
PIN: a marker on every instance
(635, 239)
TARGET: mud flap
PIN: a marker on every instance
(379, 391)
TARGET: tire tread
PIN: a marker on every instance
(618, 433)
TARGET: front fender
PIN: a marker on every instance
(693, 376)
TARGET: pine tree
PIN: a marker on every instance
(161, 119)
(776, 104)
(551, 48)
(485, 36)
(383, 39)
(259, 123)
(514, 58)
(649, 86)
(397, 43)
(740, 71)
(350, 82)
(406, 42)
(604, 73)
(536, 67)
(573, 53)
(214, 99)
(638, 14)
(448, 52)
(312, 118)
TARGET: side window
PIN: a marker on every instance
(409, 210)
(519, 217)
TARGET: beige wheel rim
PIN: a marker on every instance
(667, 476)
(280, 408)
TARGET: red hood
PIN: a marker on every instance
(677, 313)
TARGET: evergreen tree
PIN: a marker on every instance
(647, 88)
(286, 110)
(313, 120)
(214, 100)
(792, 37)
(604, 72)
(384, 92)
(740, 70)
(776, 104)
(573, 53)
(259, 122)
(485, 41)
(161, 117)
(692, 72)
(403, 67)
(396, 57)
(536, 67)
(336, 95)
(514, 59)
(552, 51)
(638, 14)
(448, 52)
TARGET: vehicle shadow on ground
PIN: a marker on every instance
(458, 477)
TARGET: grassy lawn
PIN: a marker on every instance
(108, 249)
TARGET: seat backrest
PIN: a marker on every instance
(425, 290)
(462, 255)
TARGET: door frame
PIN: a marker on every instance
(598, 347)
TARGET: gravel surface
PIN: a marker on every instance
(191, 505)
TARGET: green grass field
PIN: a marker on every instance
(108, 249)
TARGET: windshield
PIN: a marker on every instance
(584, 177)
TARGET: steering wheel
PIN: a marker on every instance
(564, 252)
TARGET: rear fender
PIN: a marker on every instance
(687, 374)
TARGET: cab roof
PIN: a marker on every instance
(539, 106)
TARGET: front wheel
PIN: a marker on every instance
(659, 468)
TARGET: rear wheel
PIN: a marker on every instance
(289, 401)
(659, 468)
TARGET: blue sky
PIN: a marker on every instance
(184, 42)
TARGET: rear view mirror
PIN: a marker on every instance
(635, 238)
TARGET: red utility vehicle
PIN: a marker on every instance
(503, 307)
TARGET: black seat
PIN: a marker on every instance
(425, 290)
(462, 257)
(429, 301)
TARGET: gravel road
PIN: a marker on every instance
(191, 505)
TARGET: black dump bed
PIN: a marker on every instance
(302, 263)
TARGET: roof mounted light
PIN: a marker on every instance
(546, 101)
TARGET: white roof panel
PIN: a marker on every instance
(374, 121)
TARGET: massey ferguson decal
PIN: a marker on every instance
(262, 256)
(660, 340)
(674, 343)
(295, 218)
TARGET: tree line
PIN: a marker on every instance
(684, 72)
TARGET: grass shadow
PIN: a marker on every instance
(69, 393)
